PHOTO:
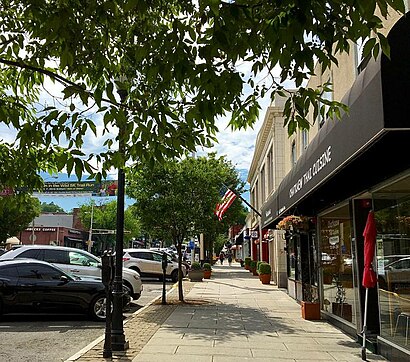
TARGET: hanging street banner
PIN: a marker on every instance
(80, 188)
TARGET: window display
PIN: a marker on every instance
(392, 213)
(337, 263)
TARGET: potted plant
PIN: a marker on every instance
(310, 306)
(247, 263)
(293, 222)
(207, 270)
(258, 263)
(265, 271)
(340, 307)
(252, 267)
(196, 273)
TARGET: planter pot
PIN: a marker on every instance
(196, 275)
(254, 272)
(207, 274)
(343, 310)
(264, 278)
(246, 267)
(310, 311)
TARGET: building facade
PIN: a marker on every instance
(338, 172)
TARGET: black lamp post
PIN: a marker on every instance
(118, 341)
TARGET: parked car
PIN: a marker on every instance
(28, 285)
(396, 274)
(74, 261)
(149, 263)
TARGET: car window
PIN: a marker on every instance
(31, 254)
(157, 257)
(56, 256)
(77, 258)
(8, 271)
(141, 255)
(37, 271)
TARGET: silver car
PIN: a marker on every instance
(75, 261)
(149, 263)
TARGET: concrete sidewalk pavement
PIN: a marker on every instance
(231, 317)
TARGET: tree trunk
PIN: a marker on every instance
(180, 289)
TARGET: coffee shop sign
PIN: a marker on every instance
(324, 159)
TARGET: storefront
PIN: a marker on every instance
(352, 166)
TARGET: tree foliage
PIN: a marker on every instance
(60, 62)
(177, 199)
(16, 214)
(51, 207)
(104, 217)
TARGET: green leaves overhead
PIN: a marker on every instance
(60, 61)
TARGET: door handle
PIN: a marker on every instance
(74, 271)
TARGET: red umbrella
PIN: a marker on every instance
(369, 276)
(369, 233)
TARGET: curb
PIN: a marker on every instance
(98, 340)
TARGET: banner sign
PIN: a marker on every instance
(81, 188)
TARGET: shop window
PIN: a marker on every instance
(392, 213)
(337, 264)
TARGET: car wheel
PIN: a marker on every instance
(136, 269)
(127, 288)
(98, 308)
(174, 276)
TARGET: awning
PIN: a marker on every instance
(13, 240)
(344, 157)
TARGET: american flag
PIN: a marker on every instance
(227, 201)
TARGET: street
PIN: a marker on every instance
(49, 338)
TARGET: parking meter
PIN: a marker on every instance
(107, 272)
(164, 273)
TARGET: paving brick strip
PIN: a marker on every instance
(138, 329)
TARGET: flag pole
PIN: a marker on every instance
(246, 202)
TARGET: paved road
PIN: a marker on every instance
(52, 338)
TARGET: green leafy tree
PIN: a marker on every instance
(16, 214)
(177, 199)
(105, 218)
(51, 207)
(177, 63)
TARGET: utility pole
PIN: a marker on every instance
(90, 234)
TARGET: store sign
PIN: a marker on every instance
(42, 229)
(314, 170)
(254, 234)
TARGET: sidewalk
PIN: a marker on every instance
(230, 317)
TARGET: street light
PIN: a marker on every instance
(118, 342)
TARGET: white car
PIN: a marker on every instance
(148, 263)
(75, 261)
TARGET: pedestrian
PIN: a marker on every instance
(229, 259)
(221, 257)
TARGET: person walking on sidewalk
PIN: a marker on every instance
(229, 259)
(221, 257)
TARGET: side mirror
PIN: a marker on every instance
(64, 279)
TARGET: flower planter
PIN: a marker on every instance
(207, 274)
(264, 278)
(310, 310)
(196, 275)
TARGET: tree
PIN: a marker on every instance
(176, 200)
(16, 213)
(105, 217)
(177, 63)
(51, 207)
